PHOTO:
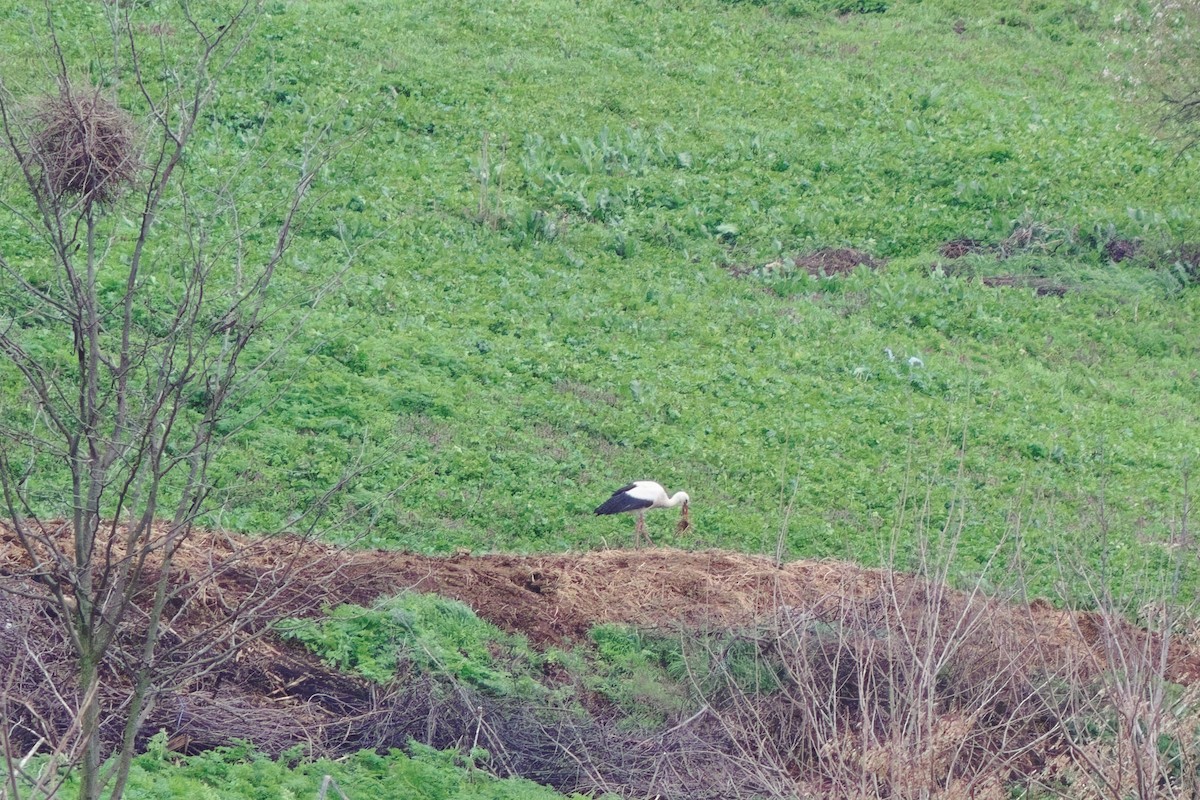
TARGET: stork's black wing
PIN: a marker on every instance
(621, 500)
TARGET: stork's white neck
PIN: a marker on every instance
(677, 499)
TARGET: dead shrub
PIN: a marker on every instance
(910, 691)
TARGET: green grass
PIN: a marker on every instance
(511, 357)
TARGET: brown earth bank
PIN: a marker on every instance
(861, 632)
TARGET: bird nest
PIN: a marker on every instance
(83, 145)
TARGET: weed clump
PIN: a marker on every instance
(957, 248)
(1186, 258)
(83, 146)
(1177, 264)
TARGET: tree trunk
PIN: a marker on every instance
(89, 722)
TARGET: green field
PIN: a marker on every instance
(554, 252)
(544, 205)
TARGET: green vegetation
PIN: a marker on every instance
(238, 772)
(433, 633)
(645, 676)
(648, 677)
(545, 201)
(641, 673)
(571, 231)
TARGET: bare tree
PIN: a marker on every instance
(1182, 114)
(1134, 731)
(131, 328)
(1168, 56)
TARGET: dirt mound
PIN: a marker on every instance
(277, 694)
(551, 599)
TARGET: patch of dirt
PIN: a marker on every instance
(1118, 250)
(586, 393)
(959, 248)
(837, 261)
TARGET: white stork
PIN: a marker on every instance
(640, 496)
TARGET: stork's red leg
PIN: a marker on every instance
(645, 533)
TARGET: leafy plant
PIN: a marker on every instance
(239, 772)
(430, 632)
